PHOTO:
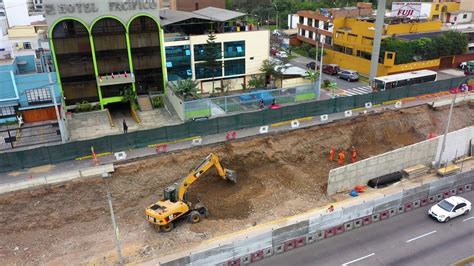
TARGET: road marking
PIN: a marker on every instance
(356, 260)
(418, 237)
(467, 219)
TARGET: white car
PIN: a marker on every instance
(281, 54)
(463, 65)
(450, 208)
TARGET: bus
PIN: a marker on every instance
(403, 79)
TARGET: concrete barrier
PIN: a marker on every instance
(294, 232)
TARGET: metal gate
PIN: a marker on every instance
(12, 137)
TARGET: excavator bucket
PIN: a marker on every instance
(231, 175)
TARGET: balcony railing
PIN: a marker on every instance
(115, 79)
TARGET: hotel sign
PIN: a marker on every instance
(88, 10)
(114, 6)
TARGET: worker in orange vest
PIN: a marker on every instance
(332, 152)
(342, 157)
(354, 155)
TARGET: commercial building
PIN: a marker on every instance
(103, 48)
(191, 5)
(431, 10)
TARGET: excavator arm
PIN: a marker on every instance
(210, 161)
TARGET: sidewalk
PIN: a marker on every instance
(131, 155)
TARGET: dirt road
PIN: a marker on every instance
(278, 175)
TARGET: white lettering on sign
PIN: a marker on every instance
(114, 6)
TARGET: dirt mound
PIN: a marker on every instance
(278, 175)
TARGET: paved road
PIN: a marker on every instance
(406, 239)
(301, 61)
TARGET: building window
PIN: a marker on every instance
(348, 50)
(234, 67)
(27, 45)
(178, 62)
(367, 41)
(303, 33)
(351, 37)
(204, 72)
(301, 20)
(464, 16)
(234, 49)
(328, 40)
(8, 111)
(364, 54)
(316, 23)
(310, 34)
(326, 25)
(199, 51)
(310, 22)
(437, 7)
(39, 96)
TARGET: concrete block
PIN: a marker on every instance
(256, 256)
(357, 223)
(177, 262)
(311, 238)
(268, 252)
(349, 226)
(289, 245)
(320, 235)
(424, 202)
(468, 187)
(301, 241)
(277, 249)
(388, 202)
(326, 221)
(384, 215)
(245, 260)
(367, 220)
(212, 254)
(454, 191)
(330, 232)
(375, 217)
(339, 229)
(393, 212)
(401, 209)
(248, 245)
(408, 206)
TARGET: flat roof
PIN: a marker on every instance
(414, 36)
(168, 16)
(218, 14)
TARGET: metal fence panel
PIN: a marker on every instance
(34, 157)
(398, 93)
(271, 116)
(361, 100)
(202, 128)
(344, 104)
(228, 123)
(122, 142)
(380, 97)
(9, 162)
(319, 107)
(292, 112)
(177, 132)
(63, 152)
(152, 136)
(253, 119)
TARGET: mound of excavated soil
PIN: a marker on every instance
(278, 175)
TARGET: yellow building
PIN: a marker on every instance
(353, 41)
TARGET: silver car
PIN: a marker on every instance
(349, 75)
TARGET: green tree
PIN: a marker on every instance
(212, 52)
(187, 88)
(256, 81)
(405, 51)
(129, 96)
(272, 69)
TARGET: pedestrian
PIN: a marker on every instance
(332, 152)
(125, 127)
(261, 104)
(342, 157)
(354, 155)
(331, 208)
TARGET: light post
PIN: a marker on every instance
(106, 176)
(443, 145)
(318, 93)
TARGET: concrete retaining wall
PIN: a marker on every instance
(426, 152)
(287, 234)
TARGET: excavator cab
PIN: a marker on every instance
(170, 193)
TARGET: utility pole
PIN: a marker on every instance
(105, 176)
(318, 94)
(58, 116)
(381, 4)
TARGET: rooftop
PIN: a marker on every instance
(168, 16)
(414, 36)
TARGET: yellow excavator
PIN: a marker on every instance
(174, 206)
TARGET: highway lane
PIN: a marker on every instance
(407, 239)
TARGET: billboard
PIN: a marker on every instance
(410, 9)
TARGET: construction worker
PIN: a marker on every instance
(354, 155)
(342, 157)
(332, 152)
(330, 208)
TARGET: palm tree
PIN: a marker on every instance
(187, 88)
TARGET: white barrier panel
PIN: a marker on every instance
(348, 113)
(324, 118)
(295, 124)
(368, 105)
(197, 142)
(263, 130)
(120, 156)
(398, 104)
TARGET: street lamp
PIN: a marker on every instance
(443, 145)
(318, 93)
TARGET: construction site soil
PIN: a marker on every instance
(278, 175)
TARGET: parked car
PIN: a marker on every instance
(281, 54)
(349, 75)
(331, 69)
(273, 51)
(449, 208)
(312, 65)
